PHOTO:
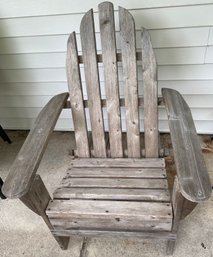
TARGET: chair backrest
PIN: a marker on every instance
(110, 57)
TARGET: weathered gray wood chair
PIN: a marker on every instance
(104, 193)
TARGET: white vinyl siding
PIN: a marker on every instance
(33, 38)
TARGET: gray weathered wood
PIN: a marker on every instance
(23, 169)
(116, 173)
(148, 210)
(149, 71)
(119, 162)
(38, 198)
(107, 31)
(121, 100)
(37, 190)
(92, 83)
(161, 235)
(109, 215)
(113, 194)
(192, 173)
(76, 98)
(177, 205)
(128, 49)
(114, 183)
(118, 57)
(118, 222)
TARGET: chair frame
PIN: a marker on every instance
(192, 184)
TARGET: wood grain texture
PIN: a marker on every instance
(116, 173)
(177, 206)
(107, 223)
(128, 50)
(92, 83)
(119, 162)
(109, 215)
(129, 194)
(161, 235)
(105, 208)
(37, 199)
(23, 169)
(121, 100)
(149, 71)
(76, 98)
(192, 173)
(114, 183)
(107, 32)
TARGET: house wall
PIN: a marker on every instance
(33, 37)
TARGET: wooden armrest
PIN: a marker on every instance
(23, 169)
(192, 173)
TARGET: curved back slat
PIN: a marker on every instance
(107, 31)
(92, 83)
(149, 72)
(128, 50)
(76, 98)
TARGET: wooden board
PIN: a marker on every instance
(107, 32)
(149, 71)
(116, 173)
(92, 83)
(76, 98)
(128, 50)
(192, 173)
(154, 195)
(23, 170)
(114, 183)
(161, 235)
(116, 222)
(148, 210)
(123, 215)
(122, 162)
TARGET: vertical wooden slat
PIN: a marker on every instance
(128, 49)
(107, 31)
(76, 98)
(92, 83)
(149, 71)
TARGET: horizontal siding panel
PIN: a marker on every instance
(10, 8)
(165, 56)
(210, 42)
(203, 127)
(209, 55)
(52, 88)
(156, 18)
(186, 72)
(188, 87)
(173, 56)
(194, 101)
(175, 72)
(181, 37)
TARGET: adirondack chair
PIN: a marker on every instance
(109, 189)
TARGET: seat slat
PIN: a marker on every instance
(92, 83)
(117, 223)
(157, 195)
(76, 98)
(163, 235)
(92, 208)
(128, 49)
(116, 172)
(114, 183)
(149, 71)
(119, 162)
(107, 32)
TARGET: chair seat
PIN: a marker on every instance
(114, 195)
